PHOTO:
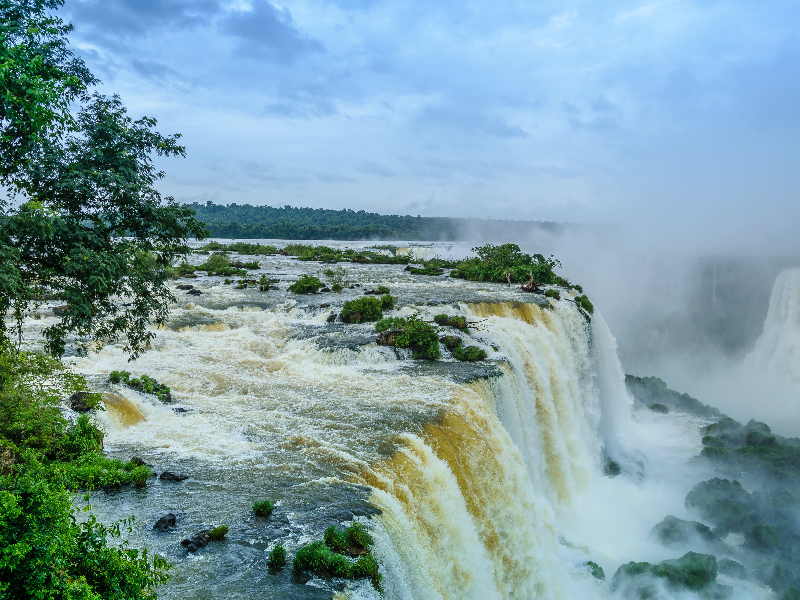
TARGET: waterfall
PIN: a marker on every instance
(778, 348)
(471, 503)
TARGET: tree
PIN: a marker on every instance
(89, 227)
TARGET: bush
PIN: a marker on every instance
(723, 503)
(451, 342)
(387, 301)
(219, 532)
(692, 571)
(145, 384)
(421, 337)
(220, 264)
(357, 536)
(382, 289)
(334, 539)
(552, 293)
(307, 284)
(277, 557)
(469, 354)
(321, 560)
(506, 263)
(263, 508)
(458, 322)
(46, 553)
(584, 303)
(252, 265)
(362, 310)
(390, 323)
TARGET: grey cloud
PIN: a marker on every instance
(155, 70)
(268, 32)
(106, 20)
(372, 168)
(470, 123)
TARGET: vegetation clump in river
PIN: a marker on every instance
(457, 322)
(219, 532)
(326, 557)
(307, 284)
(263, 508)
(507, 264)
(144, 384)
(692, 572)
(277, 557)
(362, 310)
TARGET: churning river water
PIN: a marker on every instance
(478, 480)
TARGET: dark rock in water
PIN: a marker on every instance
(194, 292)
(185, 286)
(325, 289)
(165, 523)
(60, 310)
(408, 268)
(673, 531)
(389, 337)
(652, 390)
(139, 462)
(611, 468)
(332, 317)
(731, 568)
(172, 476)
(77, 402)
(180, 409)
(197, 541)
(326, 305)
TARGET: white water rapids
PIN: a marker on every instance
(488, 478)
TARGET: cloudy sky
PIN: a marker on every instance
(682, 112)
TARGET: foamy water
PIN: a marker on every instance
(480, 481)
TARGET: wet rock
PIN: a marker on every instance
(389, 337)
(78, 402)
(194, 292)
(60, 310)
(185, 286)
(197, 541)
(326, 305)
(139, 462)
(165, 523)
(325, 289)
(173, 476)
(238, 264)
(332, 317)
(180, 409)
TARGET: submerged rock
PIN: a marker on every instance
(197, 541)
(185, 286)
(173, 476)
(194, 292)
(165, 523)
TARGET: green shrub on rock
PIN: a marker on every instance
(762, 537)
(321, 560)
(584, 303)
(552, 293)
(218, 533)
(362, 310)
(457, 322)
(723, 503)
(693, 571)
(357, 536)
(220, 265)
(263, 508)
(307, 284)
(596, 570)
(506, 263)
(382, 289)
(277, 557)
(390, 323)
(469, 353)
(388, 301)
(421, 337)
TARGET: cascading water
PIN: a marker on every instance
(778, 348)
(474, 475)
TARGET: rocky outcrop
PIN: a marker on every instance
(165, 523)
(82, 402)
(197, 541)
(173, 476)
(389, 337)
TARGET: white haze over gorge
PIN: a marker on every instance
(681, 114)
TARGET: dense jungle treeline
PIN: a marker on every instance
(265, 222)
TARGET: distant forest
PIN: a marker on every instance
(288, 223)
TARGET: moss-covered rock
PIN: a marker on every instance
(732, 568)
(725, 504)
(673, 531)
(693, 572)
(596, 570)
